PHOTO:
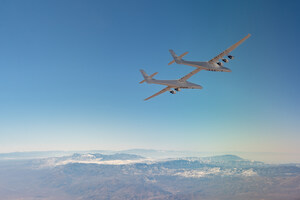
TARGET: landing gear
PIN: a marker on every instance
(172, 92)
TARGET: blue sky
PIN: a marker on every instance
(69, 73)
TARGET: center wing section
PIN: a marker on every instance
(186, 77)
(227, 51)
(158, 93)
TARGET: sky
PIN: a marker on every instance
(69, 74)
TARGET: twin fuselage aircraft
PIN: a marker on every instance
(212, 65)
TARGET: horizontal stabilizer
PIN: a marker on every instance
(170, 63)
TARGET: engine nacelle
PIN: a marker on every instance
(230, 57)
(177, 89)
(225, 60)
(172, 92)
(220, 64)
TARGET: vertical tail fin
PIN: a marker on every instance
(173, 54)
(145, 75)
(177, 59)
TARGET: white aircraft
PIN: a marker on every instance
(212, 65)
(176, 84)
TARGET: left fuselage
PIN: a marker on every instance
(176, 84)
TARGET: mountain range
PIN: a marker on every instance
(102, 175)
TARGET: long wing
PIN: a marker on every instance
(158, 93)
(190, 74)
(227, 51)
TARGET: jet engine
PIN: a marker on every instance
(177, 89)
(220, 64)
(230, 57)
(225, 60)
(172, 92)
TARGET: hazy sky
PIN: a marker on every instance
(69, 73)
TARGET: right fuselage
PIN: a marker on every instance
(205, 65)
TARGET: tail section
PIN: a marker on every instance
(173, 54)
(177, 59)
(146, 77)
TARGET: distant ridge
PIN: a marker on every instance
(221, 158)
